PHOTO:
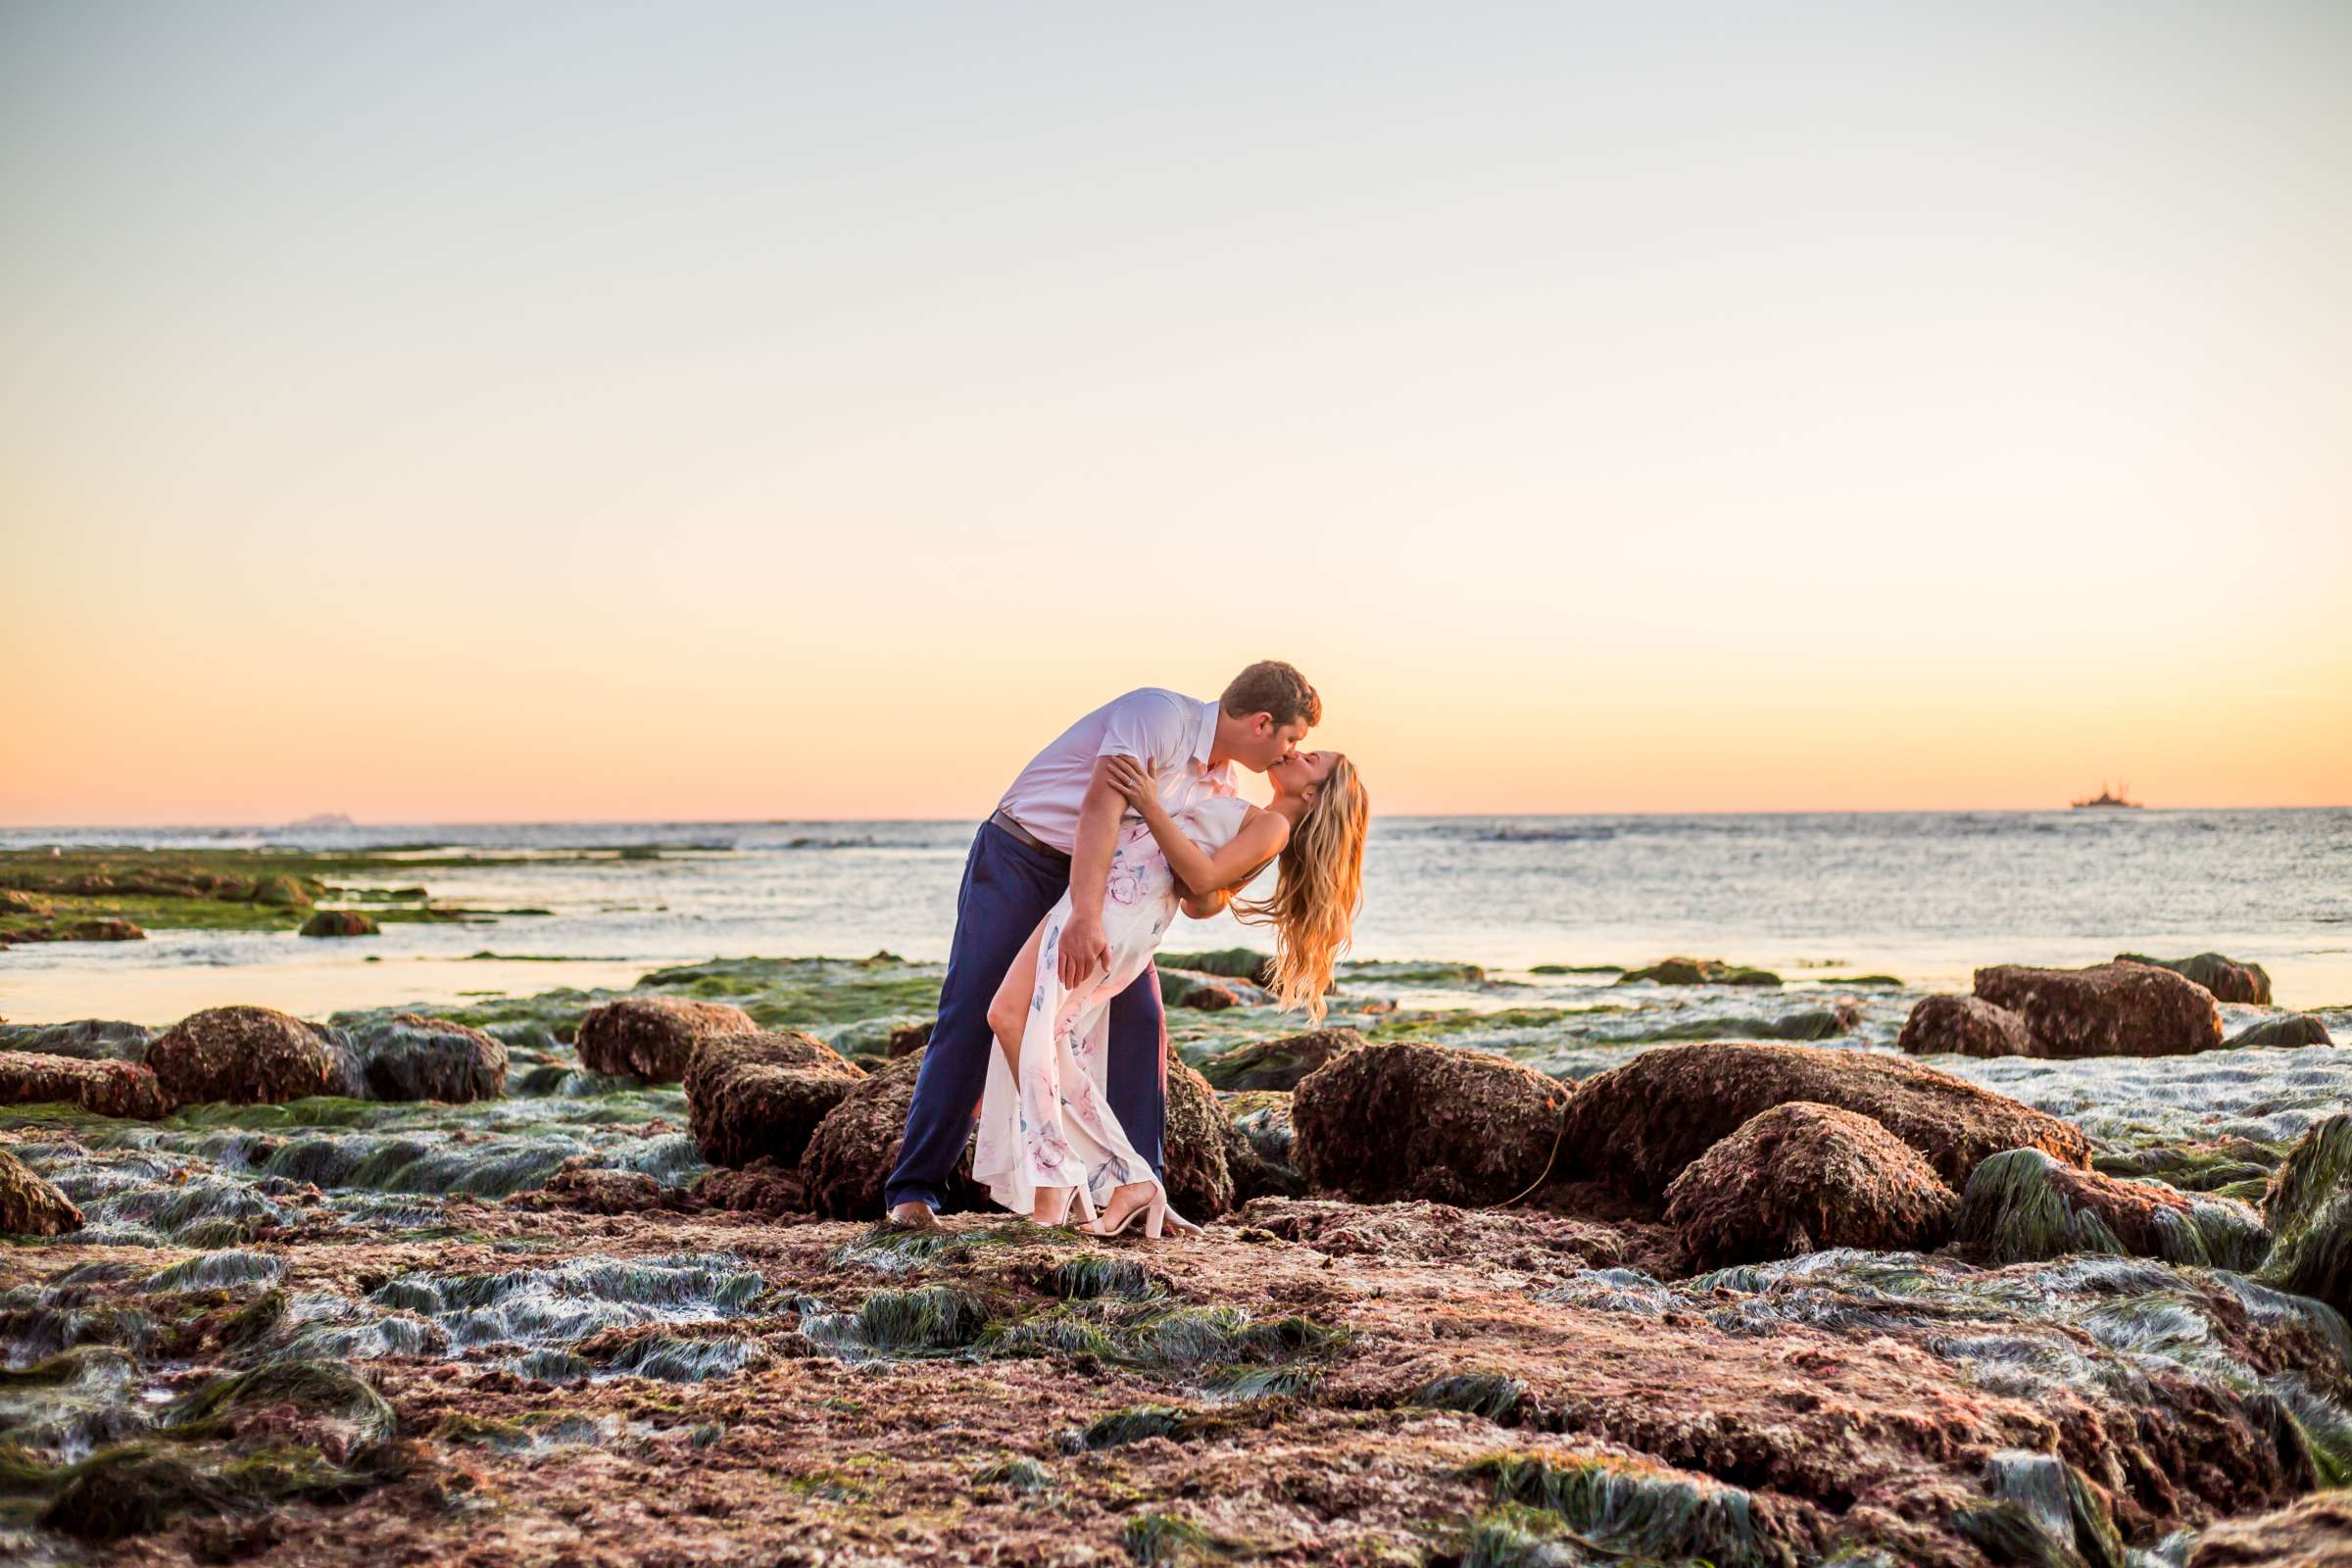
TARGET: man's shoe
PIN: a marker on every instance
(913, 1215)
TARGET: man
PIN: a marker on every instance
(1053, 830)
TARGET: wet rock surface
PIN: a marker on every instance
(414, 1056)
(2314, 1533)
(2295, 1030)
(1804, 1177)
(1208, 992)
(1964, 1026)
(1404, 1119)
(761, 1094)
(92, 1039)
(243, 1055)
(2111, 1009)
(2309, 1203)
(1697, 972)
(1638, 1126)
(102, 1087)
(1277, 1063)
(29, 1205)
(2227, 979)
(339, 923)
(539, 1326)
(2022, 1204)
(1194, 1149)
(653, 1038)
(851, 1152)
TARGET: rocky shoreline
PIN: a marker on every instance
(1689, 1268)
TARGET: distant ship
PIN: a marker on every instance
(2108, 797)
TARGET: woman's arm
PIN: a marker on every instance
(1260, 840)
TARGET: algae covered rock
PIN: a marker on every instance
(339, 923)
(245, 1056)
(908, 1039)
(1229, 963)
(760, 1095)
(1277, 1063)
(652, 1038)
(91, 1039)
(105, 1088)
(1622, 1506)
(29, 1205)
(2293, 1032)
(1804, 1177)
(1261, 1151)
(1192, 1152)
(2313, 1532)
(2227, 979)
(2110, 1009)
(2021, 1206)
(1639, 1125)
(1964, 1026)
(851, 1153)
(411, 1056)
(1208, 992)
(280, 891)
(1406, 1119)
(585, 1188)
(2309, 1205)
(1697, 972)
(100, 928)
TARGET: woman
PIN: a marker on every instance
(1046, 1133)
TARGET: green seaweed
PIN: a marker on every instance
(1265, 1381)
(1169, 1540)
(2309, 1203)
(2014, 1211)
(929, 1320)
(1131, 1423)
(316, 1387)
(1057, 1331)
(1490, 1395)
(1634, 1508)
(1019, 1473)
(1091, 1276)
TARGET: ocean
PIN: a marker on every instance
(1923, 896)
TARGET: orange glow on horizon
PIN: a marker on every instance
(1912, 409)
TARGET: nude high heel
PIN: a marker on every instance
(1158, 1215)
(1061, 1217)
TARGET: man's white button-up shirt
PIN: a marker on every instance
(1171, 731)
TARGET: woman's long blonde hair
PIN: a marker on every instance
(1318, 888)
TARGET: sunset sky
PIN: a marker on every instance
(581, 411)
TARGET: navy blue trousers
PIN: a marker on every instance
(1007, 888)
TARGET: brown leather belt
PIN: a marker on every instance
(1009, 825)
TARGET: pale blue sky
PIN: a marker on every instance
(1921, 405)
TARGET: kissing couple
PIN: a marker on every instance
(1050, 1025)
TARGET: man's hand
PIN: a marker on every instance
(1084, 948)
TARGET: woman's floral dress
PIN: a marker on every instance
(1055, 1128)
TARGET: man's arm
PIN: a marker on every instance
(1084, 948)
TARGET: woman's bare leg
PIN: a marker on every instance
(1009, 1008)
(1008, 1020)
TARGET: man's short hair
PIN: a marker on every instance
(1273, 687)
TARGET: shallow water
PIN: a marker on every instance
(1925, 895)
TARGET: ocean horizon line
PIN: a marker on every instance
(162, 825)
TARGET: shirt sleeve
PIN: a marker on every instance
(1150, 725)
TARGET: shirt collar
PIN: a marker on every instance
(1205, 741)
(1204, 735)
